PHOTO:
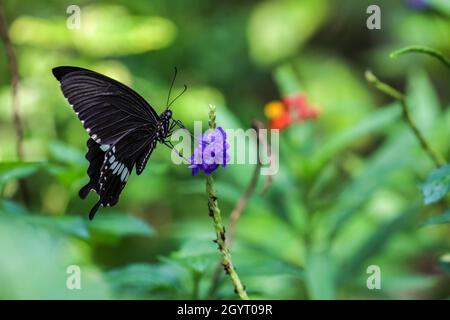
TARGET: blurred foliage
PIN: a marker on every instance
(348, 192)
(437, 185)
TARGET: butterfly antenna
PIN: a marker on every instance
(184, 90)
(171, 86)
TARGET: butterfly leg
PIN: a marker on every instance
(178, 123)
(169, 144)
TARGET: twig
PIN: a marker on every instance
(214, 212)
(437, 158)
(14, 72)
(242, 202)
(13, 69)
(425, 50)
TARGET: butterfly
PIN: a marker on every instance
(124, 129)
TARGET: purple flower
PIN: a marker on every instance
(210, 151)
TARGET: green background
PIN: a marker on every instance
(348, 193)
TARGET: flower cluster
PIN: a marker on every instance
(210, 152)
(291, 109)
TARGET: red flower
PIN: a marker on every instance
(299, 108)
(291, 109)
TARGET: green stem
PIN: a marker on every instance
(437, 158)
(16, 116)
(214, 212)
(425, 50)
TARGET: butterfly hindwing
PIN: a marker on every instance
(118, 162)
(95, 156)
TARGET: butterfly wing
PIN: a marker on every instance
(119, 159)
(142, 159)
(121, 125)
(106, 108)
(95, 156)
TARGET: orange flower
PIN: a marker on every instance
(281, 122)
(274, 109)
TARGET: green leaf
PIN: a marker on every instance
(320, 275)
(278, 28)
(196, 255)
(35, 259)
(442, 6)
(67, 154)
(423, 101)
(17, 170)
(374, 243)
(376, 121)
(376, 172)
(106, 34)
(69, 225)
(12, 207)
(120, 225)
(270, 267)
(66, 225)
(443, 218)
(287, 80)
(138, 280)
(437, 185)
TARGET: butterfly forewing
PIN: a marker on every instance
(105, 107)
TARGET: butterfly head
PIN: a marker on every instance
(167, 114)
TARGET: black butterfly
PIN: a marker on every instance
(124, 129)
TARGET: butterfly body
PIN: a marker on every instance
(124, 130)
(162, 128)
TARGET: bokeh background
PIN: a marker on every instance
(348, 193)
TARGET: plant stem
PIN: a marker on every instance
(425, 50)
(243, 200)
(214, 212)
(436, 157)
(14, 73)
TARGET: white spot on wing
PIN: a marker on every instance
(124, 174)
(116, 168)
(120, 169)
(105, 147)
